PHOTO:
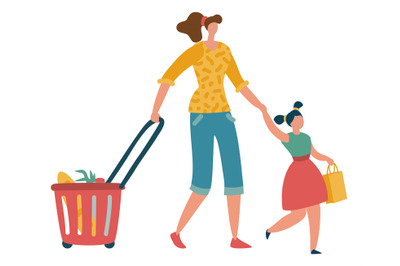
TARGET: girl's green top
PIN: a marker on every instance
(298, 145)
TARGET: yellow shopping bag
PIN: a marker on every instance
(335, 185)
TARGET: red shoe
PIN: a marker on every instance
(237, 243)
(177, 240)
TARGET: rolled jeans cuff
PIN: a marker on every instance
(200, 191)
(231, 191)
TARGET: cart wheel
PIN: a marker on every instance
(66, 245)
(110, 245)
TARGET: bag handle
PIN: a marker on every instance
(141, 155)
(334, 168)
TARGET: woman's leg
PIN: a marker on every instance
(230, 158)
(288, 221)
(192, 205)
(233, 182)
(202, 152)
(234, 213)
(314, 217)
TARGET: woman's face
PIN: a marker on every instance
(212, 28)
(298, 122)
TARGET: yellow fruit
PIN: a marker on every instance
(64, 178)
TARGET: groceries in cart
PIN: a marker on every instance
(64, 178)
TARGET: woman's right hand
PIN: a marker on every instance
(155, 117)
(162, 92)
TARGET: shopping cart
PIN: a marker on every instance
(91, 211)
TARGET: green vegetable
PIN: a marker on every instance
(85, 176)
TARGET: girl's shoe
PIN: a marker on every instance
(267, 234)
(237, 243)
(314, 251)
(177, 240)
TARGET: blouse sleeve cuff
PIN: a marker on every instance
(168, 81)
(241, 86)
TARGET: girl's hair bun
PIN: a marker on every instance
(297, 105)
(279, 119)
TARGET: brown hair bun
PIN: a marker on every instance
(216, 19)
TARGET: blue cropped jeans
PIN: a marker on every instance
(204, 129)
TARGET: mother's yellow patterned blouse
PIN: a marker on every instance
(210, 67)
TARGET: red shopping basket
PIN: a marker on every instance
(99, 203)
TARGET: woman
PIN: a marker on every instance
(304, 187)
(209, 117)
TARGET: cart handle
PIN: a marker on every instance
(141, 155)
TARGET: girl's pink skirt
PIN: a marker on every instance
(303, 186)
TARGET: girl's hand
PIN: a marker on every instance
(263, 108)
(329, 161)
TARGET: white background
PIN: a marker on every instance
(78, 81)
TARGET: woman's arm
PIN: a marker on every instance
(234, 75)
(248, 94)
(320, 156)
(162, 92)
(282, 136)
(185, 60)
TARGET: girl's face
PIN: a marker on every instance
(212, 28)
(298, 122)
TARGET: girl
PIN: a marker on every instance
(209, 117)
(304, 187)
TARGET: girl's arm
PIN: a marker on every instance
(162, 92)
(320, 156)
(282, 136)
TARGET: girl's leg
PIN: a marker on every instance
(314, 217)
(288, 221)
(192, 205)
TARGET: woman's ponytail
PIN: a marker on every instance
(192, 26)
